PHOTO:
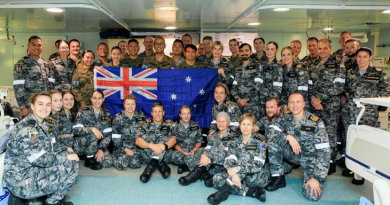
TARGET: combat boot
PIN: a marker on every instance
(332, 168)
(164, 169)
(257, 193)
(93, 164)
(276, 183)
(347, 173)
(190, 178)
(221, 195)
(182, 168)
(209, 182)
(14, 200)
(145, 176)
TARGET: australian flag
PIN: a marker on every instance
(172, 87)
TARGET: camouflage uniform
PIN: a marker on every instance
(216, 150)
(307, 60)
(156, 134)
(35, 165)
(186, 137)
(265, 124)
(185, 65)
(52, 56)
(86, 141)
(99, 62)
(181, 60)
(226, 66)
(272, 81)
(204, 58)
(328, 87)
(251, 161)
(235, 61)
(62, 73)
(31, 76)
(295, 80)
(65, 129)
(338, 54)
(132, 63)
(373, 83)
(248, 81)
(263, 59)
(166, 63)
(124, 132)
(230, 108)
(82, 84)
(143, 55)
(313, 140)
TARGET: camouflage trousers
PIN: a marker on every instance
(88, 145)
(121, 161)
(331, 116)
(216, 165)
(147, 155)
(255, 109)
(66, 139)
(254, 180)
(175, 157)
(276, 155)
(53, 182)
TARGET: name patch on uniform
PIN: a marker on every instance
(291, 75)
(250, 68)
(223, 65)
(331, 65)
(251, 147)
(138, 119)
(164, 128)
(194, 128)
(307, 129)
(373, 77)
(225, 138)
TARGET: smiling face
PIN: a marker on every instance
(116, 56)
(272, 109)
(363, 59)
(207, 46)
(88, 59)
(271, 51)
(68, 101)
(190, 54)
(351, 48)
(217, 51)
(74, 48)
(287, 57)
(222, 123)
(157, 114)
(233, 46)
(159, 45)
(296, 46)
(296, 104)
(148, 43)
(219, 94)
(186, 40)
(324, 49)
(245, 52)
(185, 115)
(130, 105)
(97, 100)
(258, 45)
(102, 50)
(133, 48)
(246, 127)
(63, 49)
(123, 46)
(56, 102)
(35, 47)
(41, 107)
(177, 48)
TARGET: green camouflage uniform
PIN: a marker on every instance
(82, 84)
(166, 63)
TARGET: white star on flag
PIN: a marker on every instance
(202, 92)
(173, 96)
(194, 105)
(188, 79)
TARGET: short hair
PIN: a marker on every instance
(352, 40)
(74, 40)
(344, 32)
(116, 47)
(259, 38)
(52, 92)
(62, 41)
(297, 93)
(122, 41)
(190, 46)
(365, 49)
(223, 114)
(312, 39)
(245, 44)
(186, 35)
(130, 96)
(67, 92)
(273, 43)
(133, 40)
(278, 102)
(235, 40)
(178, 41)
(149, 36)
(328, 40)
(88, 51)
(207, 38)
(158, 37)
(248, 116)
(183, 107)
(34, 38)
(296, 41)
(158, 104)
(287, 48)
(222, 85)
(102, 44)
(33, 97)
(97, 91)
(217, 43)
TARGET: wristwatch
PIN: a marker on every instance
(166, 146)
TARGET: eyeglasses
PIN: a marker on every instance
(64, 48)
(159, 44)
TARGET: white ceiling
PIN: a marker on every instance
(192, 15)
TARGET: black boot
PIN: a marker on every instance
(93, 164)
(341, 162)
(182, 168)
(347, 173)
(205, 175)
(145, 176)
(276, 183)
(190, 178)
(221, 195)
(332, 168)
(164, 169)
(257, 193)
(14, 200)
(209, 182)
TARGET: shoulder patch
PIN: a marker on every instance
(148, 120)
(378, 69)
(168, 120)
(299, 66)
(51, 121)
(313, 118)
(259, 137)
(228, 102)
(233, 133)
(86, 108)
(280, 63)
(287, 112)
(117, 114)
(338, 59)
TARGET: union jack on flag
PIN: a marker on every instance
(172, 87)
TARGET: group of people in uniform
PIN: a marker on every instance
(269, 116)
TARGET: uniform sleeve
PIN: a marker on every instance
(76, 87)
(235, 92)
(277, 85)
(229, 72)
(19, 84)
(322, 151)
(199, 138)
(234, 115)
(117, 133)
(107, 132)
(213, 126)
(79, 127)
(231, 159)
(303, 84)
(383, 86)
(336, 87)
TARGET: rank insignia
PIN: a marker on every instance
(314, 118)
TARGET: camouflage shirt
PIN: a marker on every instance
(62, 73)
(235, 61)
(248, 81)
(65, 128)
(264, 124)
(272, 80)
(295, 80)
(156, 133)
(99, 62)
(82, 84)
(132, 63)
(166, 63)
(218, 146)
(263, 59)
(226, 66)
(31, 76)
(231, 108)
(187, 136)
(195, 65)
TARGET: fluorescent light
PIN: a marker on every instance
(170, 27)
(167, 8)
(281, 9)
(55, 10)
(328, 29)
(387, 11)
(254, 24)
